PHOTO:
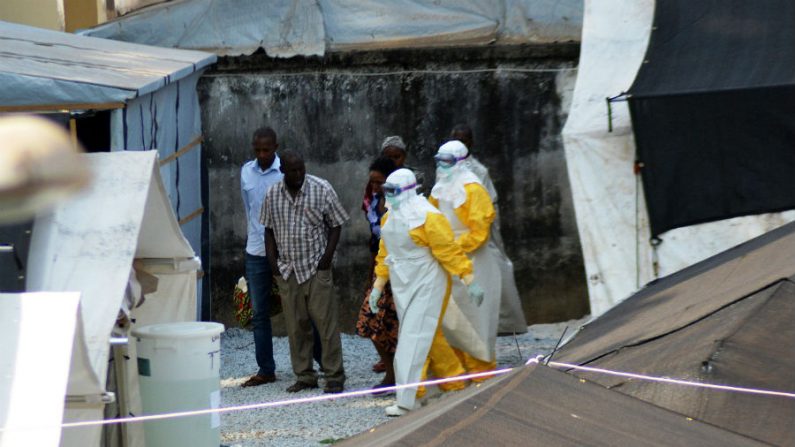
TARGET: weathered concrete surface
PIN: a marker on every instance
(336, 111)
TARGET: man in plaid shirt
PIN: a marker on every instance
(303, 218)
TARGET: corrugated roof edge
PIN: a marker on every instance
(191, 60)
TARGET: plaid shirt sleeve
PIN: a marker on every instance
(266, 217)
(335, 214)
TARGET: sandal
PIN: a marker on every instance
(378, 392)
(379, 367)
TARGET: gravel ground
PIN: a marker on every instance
(319, 423)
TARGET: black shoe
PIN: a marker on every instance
(300, 386)
(257, 380)
(333, 388)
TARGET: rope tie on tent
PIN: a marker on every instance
(623, 96)
(368, 392)
(655, 260)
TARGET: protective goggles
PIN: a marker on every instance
(391, 189)
(446, 160)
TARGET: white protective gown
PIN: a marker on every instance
(511, 313)
(467, 327)
(419, 284)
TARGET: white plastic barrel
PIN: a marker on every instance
(179, 370)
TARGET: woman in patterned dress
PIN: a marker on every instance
(381, 327)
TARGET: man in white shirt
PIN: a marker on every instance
(256, 177)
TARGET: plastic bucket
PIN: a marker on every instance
(179, 370)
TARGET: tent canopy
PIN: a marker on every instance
(726, 320)
(89, 243)
(41, 68)
(541, 406)
(609, 200)
(712, 110)
(303, 27)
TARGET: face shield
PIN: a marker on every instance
(446, 161)
(450, 154)
(399, 187)
(392, 190)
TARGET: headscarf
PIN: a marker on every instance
(395, 141)
(450, 181)
(408, 206)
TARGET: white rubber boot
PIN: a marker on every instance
(396, 410)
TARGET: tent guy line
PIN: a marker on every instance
(534, 360)
(256, 406)
(666, 379)
(406, 72)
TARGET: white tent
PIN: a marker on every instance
(608, 197)
(151, 93)
(88, 244)
(35, 367)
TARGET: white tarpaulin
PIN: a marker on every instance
(89, 243)
(34, 365)
(286, 28)
(608, 197)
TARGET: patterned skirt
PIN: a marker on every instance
(382, 327)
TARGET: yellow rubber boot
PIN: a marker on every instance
(443, 360)
(474, 365)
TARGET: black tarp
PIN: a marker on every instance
(539, 406)
(713, 111)
(726, 320)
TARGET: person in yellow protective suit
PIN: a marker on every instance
(417, 254)
(511, 313)
(459, 195)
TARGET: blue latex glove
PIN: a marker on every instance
(475, 293)
(374, 295)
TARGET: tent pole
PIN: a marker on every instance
(73, 131)
(119, 360)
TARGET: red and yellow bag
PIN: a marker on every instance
(243, 310)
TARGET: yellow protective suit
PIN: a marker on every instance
(477, 214)
(436, 235)
(475, 217)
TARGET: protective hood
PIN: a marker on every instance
(408, 206)
(450, 181)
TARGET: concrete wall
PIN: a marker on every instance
(336, 111)
(79, 14)
(41, 13)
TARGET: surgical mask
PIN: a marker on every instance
(444, 172)
(393, 201)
